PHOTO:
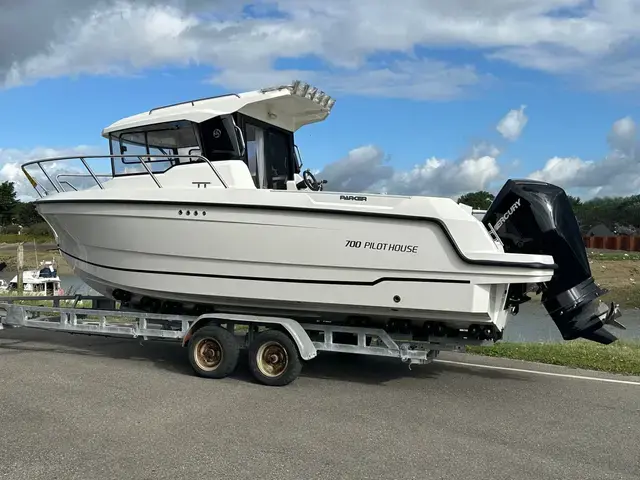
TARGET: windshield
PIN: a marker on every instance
(297, 158)
(176, 138)
(216, 138)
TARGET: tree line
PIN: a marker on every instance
(20, 217)
(621, 215)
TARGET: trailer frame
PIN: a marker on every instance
(293, 341)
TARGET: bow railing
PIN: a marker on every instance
(57, 183)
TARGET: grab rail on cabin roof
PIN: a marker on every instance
(83, 159)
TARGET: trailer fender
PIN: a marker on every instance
(298, 334)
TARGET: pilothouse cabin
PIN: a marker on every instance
(256, 128)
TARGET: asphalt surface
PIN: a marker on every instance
(74, 407)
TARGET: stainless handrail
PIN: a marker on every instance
(77, 175)
(83, 175)
(83, 159)
(68, 183)
(84, 162)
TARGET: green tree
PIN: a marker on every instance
(478, 200)
(26, 214)
(8, 203)
(620, 214)
(41, 229)
(574, 201)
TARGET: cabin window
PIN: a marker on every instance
(269, 154)
(256, 155)
(176, 138)
(131, 141)
(278, 158)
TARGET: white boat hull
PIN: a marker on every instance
(302, 262)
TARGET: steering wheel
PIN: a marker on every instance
(310, 181)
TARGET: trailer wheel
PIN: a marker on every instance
(274, 359)
(213, 352)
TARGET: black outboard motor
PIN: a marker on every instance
(536, 218)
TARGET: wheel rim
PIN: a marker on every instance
(208, 354)
(272, 359)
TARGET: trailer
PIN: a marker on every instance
(276, 347)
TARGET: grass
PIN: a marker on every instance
(612, 256)
(622, 357)
(15, 238)
(616, 271)
(620, 274)
(38, 302)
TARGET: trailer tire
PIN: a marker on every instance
(213, 352)
(274, 359)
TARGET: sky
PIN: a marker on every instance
(437, 97)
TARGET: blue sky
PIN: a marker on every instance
(419, 87)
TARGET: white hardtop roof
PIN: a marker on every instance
(286, 106)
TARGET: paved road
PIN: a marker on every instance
(80, 407)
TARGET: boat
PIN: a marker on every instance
(204, 206)
(40, 281)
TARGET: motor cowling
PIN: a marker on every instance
(537, 218)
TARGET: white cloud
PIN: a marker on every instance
(11, 161)
(484, 149)
(623, 136)
(417, 79)
(368, 169)
(616, 174)
(147, 36)
(512, 124)
(447, 178)
(595, 42)
(362, 168)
